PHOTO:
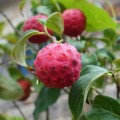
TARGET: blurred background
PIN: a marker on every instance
(58, 111)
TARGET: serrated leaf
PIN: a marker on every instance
(55, 23)
(97, 20)
(99, 114)
(79, 90)
(9, 89)
(107, 103)
(18, 52)
(47, 97)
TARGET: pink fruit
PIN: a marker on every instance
(58, 65)
(26, 88)
(74, 22)
(32, 23)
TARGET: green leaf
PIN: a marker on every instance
(97, 20)
(6, 47)
(18, 52)
(103, 54)
(47, 97)
(14, 118)
(89, 60)
(110, 33)
(2, 25)
(11, 37)
(35, 3)
(2, 117)
(22, 4)
(42, 9)
(79, 45)
(107, 103)
(79, 90)
(55, 23)
(116, 63)
(9, 89)
(99, 114)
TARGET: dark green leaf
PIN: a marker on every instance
(97, 20)
(55, 23)
(9, 89)
(2, 117)
(79, 90)
(18, 52)
(116, 63)
(47, 97)
(99, 114)
(107, 103)
(110, 33)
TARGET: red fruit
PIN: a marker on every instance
(58, 65)
(32, 23)
(74, 22)
(26, 88)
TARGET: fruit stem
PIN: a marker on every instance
(19, 110)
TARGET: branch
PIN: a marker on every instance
(9, 21)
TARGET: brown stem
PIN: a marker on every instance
(118, 90)
(47, 114)
(66, 91)
(19, 110)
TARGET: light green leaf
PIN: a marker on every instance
(9, 89)
(18, 52)
(99, 114)
(22, 4)
(116, 63)
(107, 103)
(55, 23)
(79, 90)
(47, 97)
(97, 18)
(2, 25)
(43, 9)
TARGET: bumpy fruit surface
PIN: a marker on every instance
(58, 65)
(32, 23)
(26, 88)
(74, 22)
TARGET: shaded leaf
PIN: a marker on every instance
(9, 89)
(79, 90)
(47, 97)
(99, 114)
(107, 103)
